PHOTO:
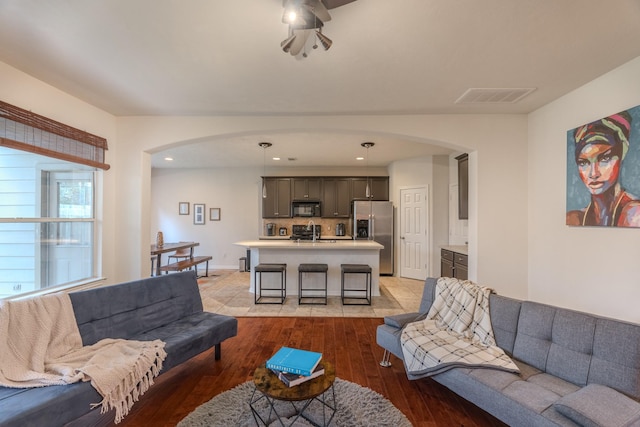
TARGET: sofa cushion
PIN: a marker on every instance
(191, 335)
(428, 294)
(504, 320)
(46, 406)
(130, 309)
(534, 334)
(598, 405)
(571, 346)
(616, 356)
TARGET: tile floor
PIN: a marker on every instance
(227, 292)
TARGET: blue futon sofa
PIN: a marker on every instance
(166, 307)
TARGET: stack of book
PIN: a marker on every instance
(294, 366)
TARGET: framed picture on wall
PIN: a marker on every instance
(603, 172)
(183, 208)
(198, 213)
(214, 214)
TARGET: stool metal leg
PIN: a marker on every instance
(258, 296)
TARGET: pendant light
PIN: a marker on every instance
(367, 190)
(264, 146)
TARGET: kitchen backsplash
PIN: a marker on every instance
(328, 225)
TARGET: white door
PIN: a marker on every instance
(414, 252)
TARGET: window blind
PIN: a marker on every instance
(23, 130)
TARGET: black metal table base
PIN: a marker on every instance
(270, 415)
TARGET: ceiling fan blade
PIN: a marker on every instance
(317, 8)
(301, 39)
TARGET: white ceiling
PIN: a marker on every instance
(206, 57)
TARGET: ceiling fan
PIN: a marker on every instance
(306, 19)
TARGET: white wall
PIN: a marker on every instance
(30, 94)
(234, 190)
(593, 269)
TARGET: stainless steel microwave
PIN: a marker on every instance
(306, 209)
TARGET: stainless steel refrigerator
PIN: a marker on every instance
(374, 221)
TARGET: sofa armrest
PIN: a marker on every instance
(400, 320)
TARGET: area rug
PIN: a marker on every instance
(357, 406)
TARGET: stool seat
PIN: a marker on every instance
(270, 268)
(281, 289)
(355, 268)
(313, 268)
(313, 293)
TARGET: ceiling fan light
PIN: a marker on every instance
(324, 40)
(286, 44)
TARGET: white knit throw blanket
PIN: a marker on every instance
(456, 332)
(41, 346)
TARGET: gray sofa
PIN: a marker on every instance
(576, 368)
(166, 307)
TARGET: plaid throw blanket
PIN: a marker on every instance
(457, 332)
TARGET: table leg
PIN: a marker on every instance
(158, 261)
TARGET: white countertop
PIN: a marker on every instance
(308, 244)
(460, 249)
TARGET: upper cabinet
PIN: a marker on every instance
(277, 204)
(334, 193)
(306, 188)
(378, 188)
(336, 198)
(463, 186)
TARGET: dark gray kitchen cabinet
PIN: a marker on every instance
(277, 204)
(378, 188)
(463, 186)
(453, 264)
(336, 198)
(306, 188)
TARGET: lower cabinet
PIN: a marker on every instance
(453, 264)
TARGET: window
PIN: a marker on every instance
(47, 222)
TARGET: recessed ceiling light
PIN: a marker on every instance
(276, 158)
(169, 159)
(359, 158)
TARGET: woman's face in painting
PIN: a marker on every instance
(599, 167)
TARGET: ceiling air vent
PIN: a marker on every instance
(493, 95)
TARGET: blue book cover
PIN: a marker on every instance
(296, 361)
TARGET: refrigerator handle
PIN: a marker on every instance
(372, 227)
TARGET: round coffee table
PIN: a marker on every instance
(267, 401)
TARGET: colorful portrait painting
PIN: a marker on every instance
(603, 172)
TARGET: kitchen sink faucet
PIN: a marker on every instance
(312, 226)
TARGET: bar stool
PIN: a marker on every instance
(312, 268)
(270, 268)
(356, 269)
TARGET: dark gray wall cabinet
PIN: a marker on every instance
(306, 188)
(277, 204)
(336, 198)
(463, 186)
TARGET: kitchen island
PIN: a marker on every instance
(330, 252)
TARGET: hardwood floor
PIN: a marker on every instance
(349, 342)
